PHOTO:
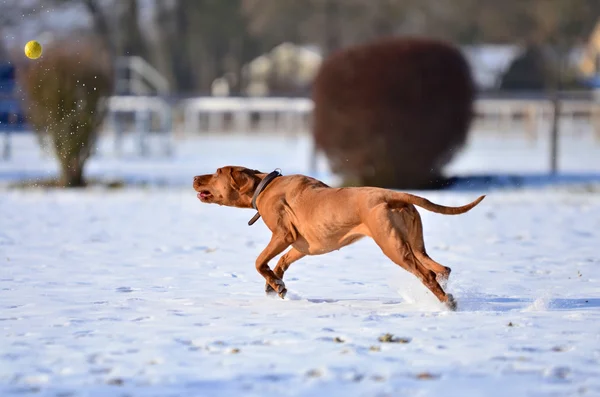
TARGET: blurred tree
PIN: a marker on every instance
(129, 37)
(63, 92)
(202, 40)
(557, 25)
(100, 20)
(331, 24)
(194, 41)
(216, 38)
(515, 21)
(273, 22)
(101, 24)
(168, 55)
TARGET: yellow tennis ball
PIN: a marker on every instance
(33, 49)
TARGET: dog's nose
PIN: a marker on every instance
(196, 179)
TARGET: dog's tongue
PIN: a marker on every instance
(202, 195)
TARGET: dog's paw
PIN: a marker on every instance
(281, 290)
(451, 302)
(269, 290)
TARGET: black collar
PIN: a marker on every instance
(259, 189)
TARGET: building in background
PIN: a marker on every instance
(590, 62)
(287, 70)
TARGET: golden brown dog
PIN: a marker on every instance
(315, 219)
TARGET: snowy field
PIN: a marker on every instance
(146, 292)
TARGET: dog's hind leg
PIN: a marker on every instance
(392, 237)
(442, 273)
(410, 216)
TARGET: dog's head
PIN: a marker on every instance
(232, 186)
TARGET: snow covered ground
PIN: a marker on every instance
(146, 292)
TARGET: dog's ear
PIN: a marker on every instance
(242, 181)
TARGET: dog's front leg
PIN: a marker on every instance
(275, 247)
(284, 263)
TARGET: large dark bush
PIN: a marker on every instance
(538, 69)
(531, 71)
(63, 92)
(392, 113)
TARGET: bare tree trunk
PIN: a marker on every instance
(161, 51)
(72, 173)
(237, 55)
(130, 38)
(180, 40)
(554, 133)
(332, 28)
(382, 24)
(101, 25)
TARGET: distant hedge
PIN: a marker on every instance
(392, 113)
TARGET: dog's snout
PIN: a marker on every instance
(197, 181)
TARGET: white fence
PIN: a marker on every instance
(147, 115)
(151, 115)
(533, 117)
(292, 116)
(213, 114)
(287, 115)
(135, 76)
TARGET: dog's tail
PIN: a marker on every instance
(428, 205)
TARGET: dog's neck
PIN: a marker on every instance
(263, 181)
(245, 199)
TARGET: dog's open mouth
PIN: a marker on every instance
(204, 195)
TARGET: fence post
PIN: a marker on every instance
(531, 117)
(142, 123)
(6, 147)
(596, 121)
(167, 130)
(554, 133)
(556, 106)
(118, 132)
